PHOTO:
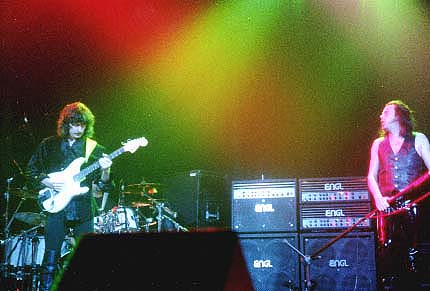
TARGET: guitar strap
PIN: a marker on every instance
(90, 145)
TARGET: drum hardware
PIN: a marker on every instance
(163, 212)
(117, 220)
(124, 219)
(31, 218)
(22, 259)
(140, 204)
(8, 222)
(178, 227)
(142, 218)
(212, 215)
(161, 216)
(143, 187)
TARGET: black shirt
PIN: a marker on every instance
(54, 154)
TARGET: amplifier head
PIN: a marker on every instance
(338, 189)
(334, 216)
(264, 205)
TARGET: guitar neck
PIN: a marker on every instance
(96, 165)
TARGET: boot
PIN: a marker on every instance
(48, 270)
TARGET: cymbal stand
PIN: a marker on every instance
(8, 223)
(178, 227)
(127, 224)
(6, 228)
(13, 217)
(160, 216)
(6, 213)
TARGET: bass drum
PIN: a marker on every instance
(117, 220)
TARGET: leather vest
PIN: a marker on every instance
(396, 171)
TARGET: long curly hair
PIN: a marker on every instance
(76, 112)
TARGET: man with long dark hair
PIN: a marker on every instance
(398, 157)
(66, 208)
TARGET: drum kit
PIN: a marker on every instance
(22, 253)
(138, 209)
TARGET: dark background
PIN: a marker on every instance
(241, 89)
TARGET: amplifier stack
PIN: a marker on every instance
(333, 204)
(279, 221)
(327, 207)
(265, 217)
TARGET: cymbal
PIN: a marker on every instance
(31, 218)
(142, 188)
(143, 185)
(140, 204)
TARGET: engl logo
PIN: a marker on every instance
(264, 208)
(333, 186)
(337, 263)
(262, 264)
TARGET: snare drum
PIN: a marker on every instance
(118, 219)
(20, 252)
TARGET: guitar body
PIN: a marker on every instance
(53, 201)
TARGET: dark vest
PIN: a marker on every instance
(396, 171)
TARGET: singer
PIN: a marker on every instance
(398, 157)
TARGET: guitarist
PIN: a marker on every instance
(398, 157)
(75, 127)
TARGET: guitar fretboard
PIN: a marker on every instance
(94, 166)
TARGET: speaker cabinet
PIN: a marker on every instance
(200, 198)
(347, 264)
(272, 263)
(184, 261)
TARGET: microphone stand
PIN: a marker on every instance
(306, 260)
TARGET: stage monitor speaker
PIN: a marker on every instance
(200, 198)
(184, 261)
(347, 264)
(272, 264)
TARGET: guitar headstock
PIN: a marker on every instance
(132, 145)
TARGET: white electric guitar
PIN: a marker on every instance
(53, 201)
